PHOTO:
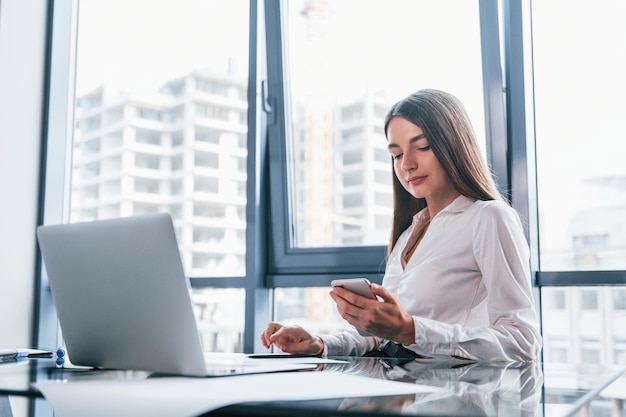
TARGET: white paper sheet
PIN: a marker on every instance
(181, 397)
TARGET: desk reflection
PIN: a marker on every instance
(466, 389)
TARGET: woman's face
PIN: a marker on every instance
(415, 164)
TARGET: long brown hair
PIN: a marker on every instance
(444, 121)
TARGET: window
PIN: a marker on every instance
(112, 73)
(332, 80)
(619, 299)
(148, 186)
(352, 178)
(334, 93)
(220, 318)
(591, 353)
(175, 114)
(557, 299)
(206, 185)
(178, 138)
(383, 178)
(581, 199)
(115, 115)
(148, 113)
(352, 136)
(216, 87)
(382, 155)
(352, 156)
(139, 122)
(589, 299)
(151, 133)
(207, 160)
(149, 137)
(582, 204)
(147, 161)
(558, 354)
(620, 352)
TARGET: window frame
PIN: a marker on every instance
(55, 154)
(56, 165)
(293, 267)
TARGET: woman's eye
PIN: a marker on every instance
(396, 157)
(424, 148)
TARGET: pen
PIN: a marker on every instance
(7, 355)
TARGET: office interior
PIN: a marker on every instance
(547, 79)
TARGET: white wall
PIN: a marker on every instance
(22, 59)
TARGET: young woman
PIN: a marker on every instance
(457, 281)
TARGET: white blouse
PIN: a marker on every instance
(467, 286)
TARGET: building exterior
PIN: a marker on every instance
(588, 324)
(181, 150)
(363, 189)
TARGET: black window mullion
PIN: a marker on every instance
(521, 131)
(495, 118)
(580, 278)
(257, 305)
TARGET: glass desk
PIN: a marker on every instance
(549, 390)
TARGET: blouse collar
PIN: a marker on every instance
(458, 205)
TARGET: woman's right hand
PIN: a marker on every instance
(291, 339)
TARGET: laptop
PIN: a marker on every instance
(123, 300)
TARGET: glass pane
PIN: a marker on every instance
(220, 317)
(311, 307)
(584, 325)
(348, 62)
(579, 68)
(161, 121)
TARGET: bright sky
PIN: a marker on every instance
(139, 44)
(396, 46)
(579, 87)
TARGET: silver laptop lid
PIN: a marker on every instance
(122, 298)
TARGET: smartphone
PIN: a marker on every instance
(359, 286)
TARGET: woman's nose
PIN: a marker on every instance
(407, 164)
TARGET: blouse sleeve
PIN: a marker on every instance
(502, 255)
(349, 343)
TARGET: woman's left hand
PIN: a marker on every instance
(386, 319)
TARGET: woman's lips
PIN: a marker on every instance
(417, 180)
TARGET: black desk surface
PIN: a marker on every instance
(468, 390)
